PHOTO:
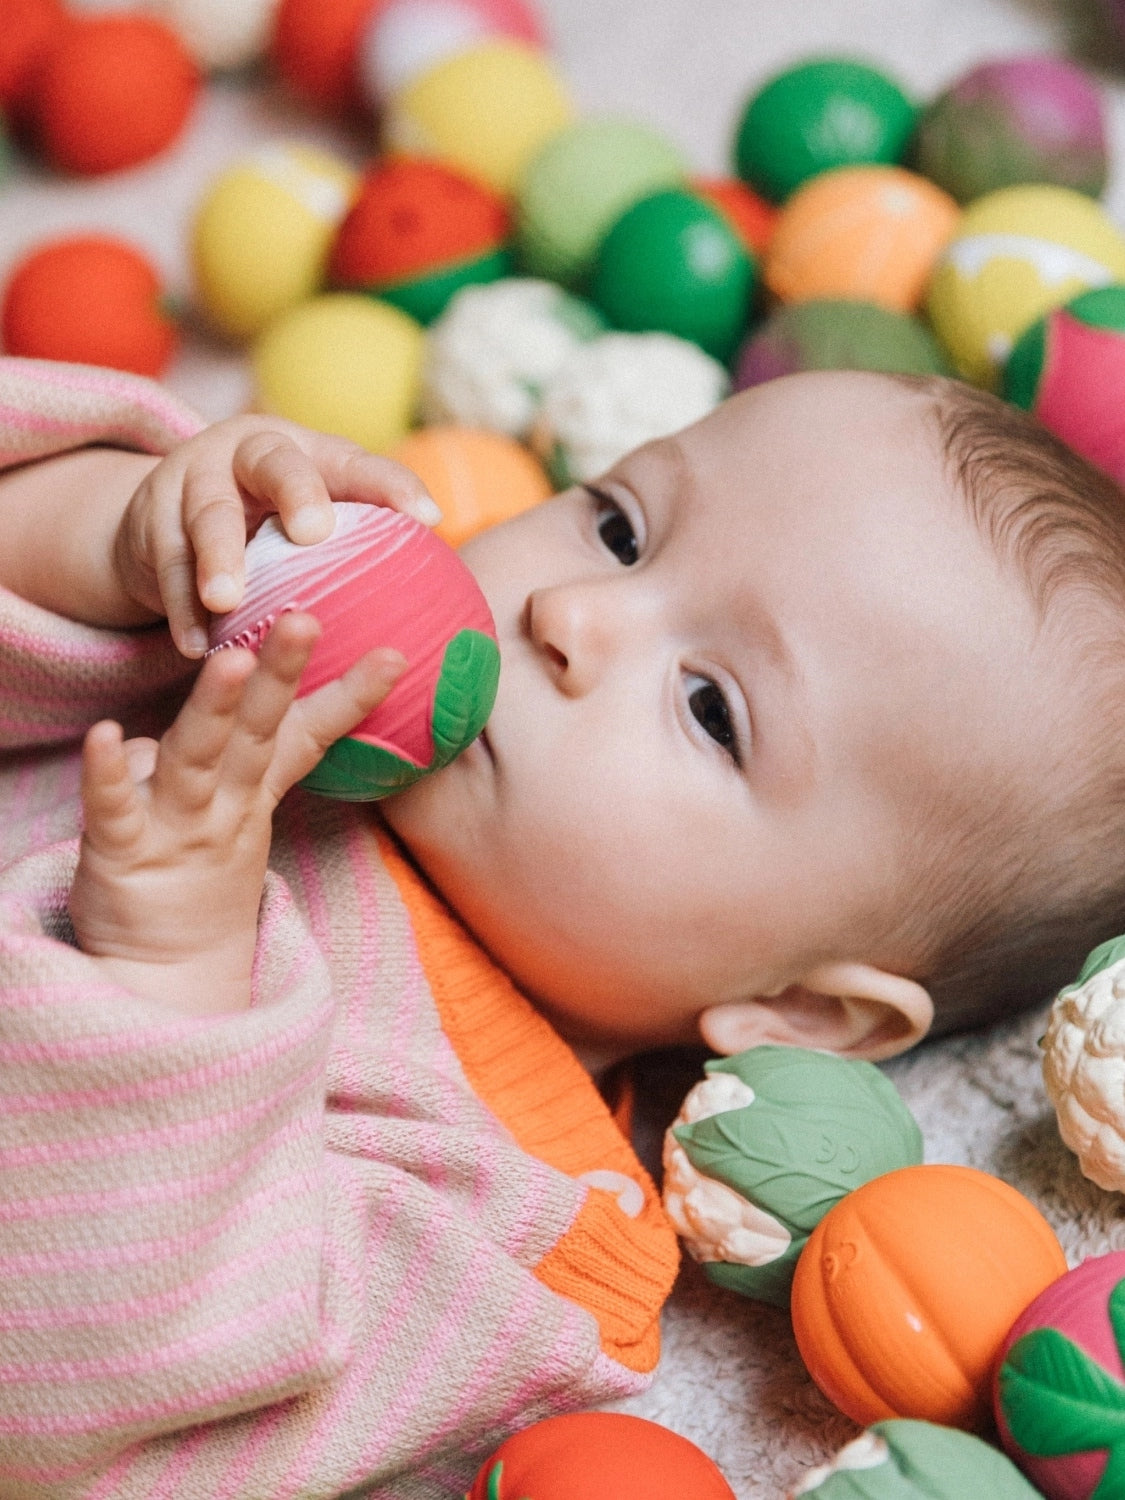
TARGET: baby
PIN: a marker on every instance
(808, 731)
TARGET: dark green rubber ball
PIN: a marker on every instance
(672, 264)
(832, 112)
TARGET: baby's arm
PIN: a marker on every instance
(177, 833)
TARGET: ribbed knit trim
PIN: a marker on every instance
(620, 1267)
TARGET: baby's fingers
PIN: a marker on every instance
(323, 717)
(114, 812)
(352, 473)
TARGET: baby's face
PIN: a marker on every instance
(733, 671)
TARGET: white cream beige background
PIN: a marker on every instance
(730, 1378)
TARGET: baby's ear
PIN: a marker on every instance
(851, 1009)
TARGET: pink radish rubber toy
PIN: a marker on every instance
(381, 579)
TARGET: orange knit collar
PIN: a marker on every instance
(519, 1066)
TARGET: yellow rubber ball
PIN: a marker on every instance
(263, 232)
(486, 110)
(1017, 254)
(478, 478)
(342, 363)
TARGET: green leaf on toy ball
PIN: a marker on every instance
(819, 1126)
(902, 1459)
(771, 1282)
(1104, 956)
(470, 671)
(1057, 1400)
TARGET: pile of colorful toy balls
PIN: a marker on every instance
(928, 1300)
(528, 294)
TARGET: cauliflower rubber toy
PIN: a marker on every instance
(1084, 1065)
(491, 354)
(617, 392)
(765, 1146)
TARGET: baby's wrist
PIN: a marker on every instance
(203, 986)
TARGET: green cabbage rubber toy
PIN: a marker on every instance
(764, 1146)
(904, 1460)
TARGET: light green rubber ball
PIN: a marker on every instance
(579, 184)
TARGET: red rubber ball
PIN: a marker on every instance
(91, 300)
(114, 90)
(27, 29)
(315, 46)
(413, 216)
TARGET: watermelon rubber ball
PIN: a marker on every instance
(380, 579)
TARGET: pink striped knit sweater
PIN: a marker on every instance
(345, 1240)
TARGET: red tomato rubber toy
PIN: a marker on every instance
(599, 1455)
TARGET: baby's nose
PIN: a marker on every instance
(575, 630)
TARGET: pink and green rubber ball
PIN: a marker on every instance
(1060, 1384)
(381, 579)
(1068, 369)
(1034, 118)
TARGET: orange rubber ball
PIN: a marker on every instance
(90, 300)
(27, 29)
(599, 1455)
(315, 47)
(869, 234)
(907, 1288)
(477, 478)
(114, 90)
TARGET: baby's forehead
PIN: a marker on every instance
(800, 441)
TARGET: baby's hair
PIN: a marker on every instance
(1017, 896)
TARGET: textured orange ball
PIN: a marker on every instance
(906, 1290)
(599, 1455)
(315, 47)
(869, 234)
(478, 478)
(90, 300)
(27, 29)
(114, 90)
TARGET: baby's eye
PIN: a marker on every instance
(710, 710)
(616, 529)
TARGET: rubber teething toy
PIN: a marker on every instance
(477, 478)
(672, 263)
(871, 233)
(825, 113)
(837, 334)
(1069, 370)
(381, 579)
(599, 1455)
(485, 111)
(114, 89)
(1084, 1063)
(342, 363)
(1017, 254)
(906, 1290)
(263, 231)
(1013, 120)
(417, 233)
(764, 1147)
(579, 184)
(1060, 1387)
(904, 1460)
(89, 299)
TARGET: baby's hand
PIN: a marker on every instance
(177, 833)
(179, 548)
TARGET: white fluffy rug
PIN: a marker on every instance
(730, 1379)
